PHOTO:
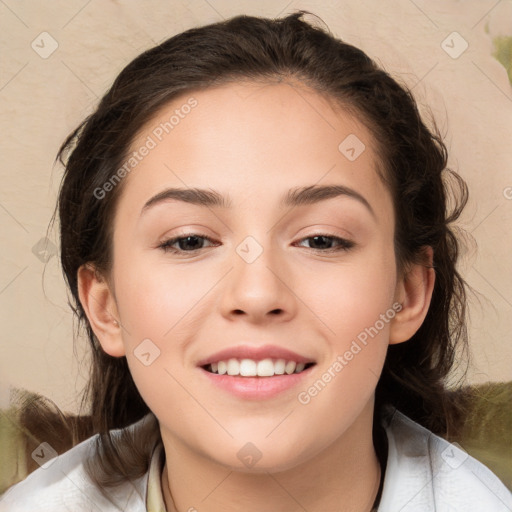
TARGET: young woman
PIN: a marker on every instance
(255, 232)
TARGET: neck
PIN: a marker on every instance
(345, 474)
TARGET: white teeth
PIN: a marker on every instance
(290, 367)
(279, 366)
(250, 368)
(233, 367)
(265, 368)
(300, 367)
(247, 368)
(222, 367)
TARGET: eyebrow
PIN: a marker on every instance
(294, 197)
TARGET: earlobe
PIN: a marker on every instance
(414, 293)
(100, 307)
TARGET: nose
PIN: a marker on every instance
(260, 290)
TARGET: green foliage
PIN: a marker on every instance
(503, 53)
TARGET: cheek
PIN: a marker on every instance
(159, 301)
(159, 307)
(349, 297)
(355, 306)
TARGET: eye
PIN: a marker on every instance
(324, 243)
(192, 242)
(186, 243)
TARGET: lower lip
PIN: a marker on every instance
(256, 388)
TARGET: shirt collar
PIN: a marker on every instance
(154, 497)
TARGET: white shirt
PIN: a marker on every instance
(424, 473)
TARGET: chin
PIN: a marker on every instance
(265, 456)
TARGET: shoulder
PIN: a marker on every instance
(62, 483)
(425, 472)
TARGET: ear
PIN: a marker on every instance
(100, 307)
(414, 293)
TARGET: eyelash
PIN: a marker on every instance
(343, 244)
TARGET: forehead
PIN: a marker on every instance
(238, 136)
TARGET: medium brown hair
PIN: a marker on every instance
(413, 162)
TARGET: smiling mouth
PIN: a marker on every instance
(252, 368)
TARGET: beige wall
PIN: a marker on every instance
(42, 99)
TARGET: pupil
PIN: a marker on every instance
(185, 241)
(315, 238)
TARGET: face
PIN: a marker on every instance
(258, 274)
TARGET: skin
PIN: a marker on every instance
(253, 143)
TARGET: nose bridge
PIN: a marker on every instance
(256, 284)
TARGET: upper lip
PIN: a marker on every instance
(255, 353)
